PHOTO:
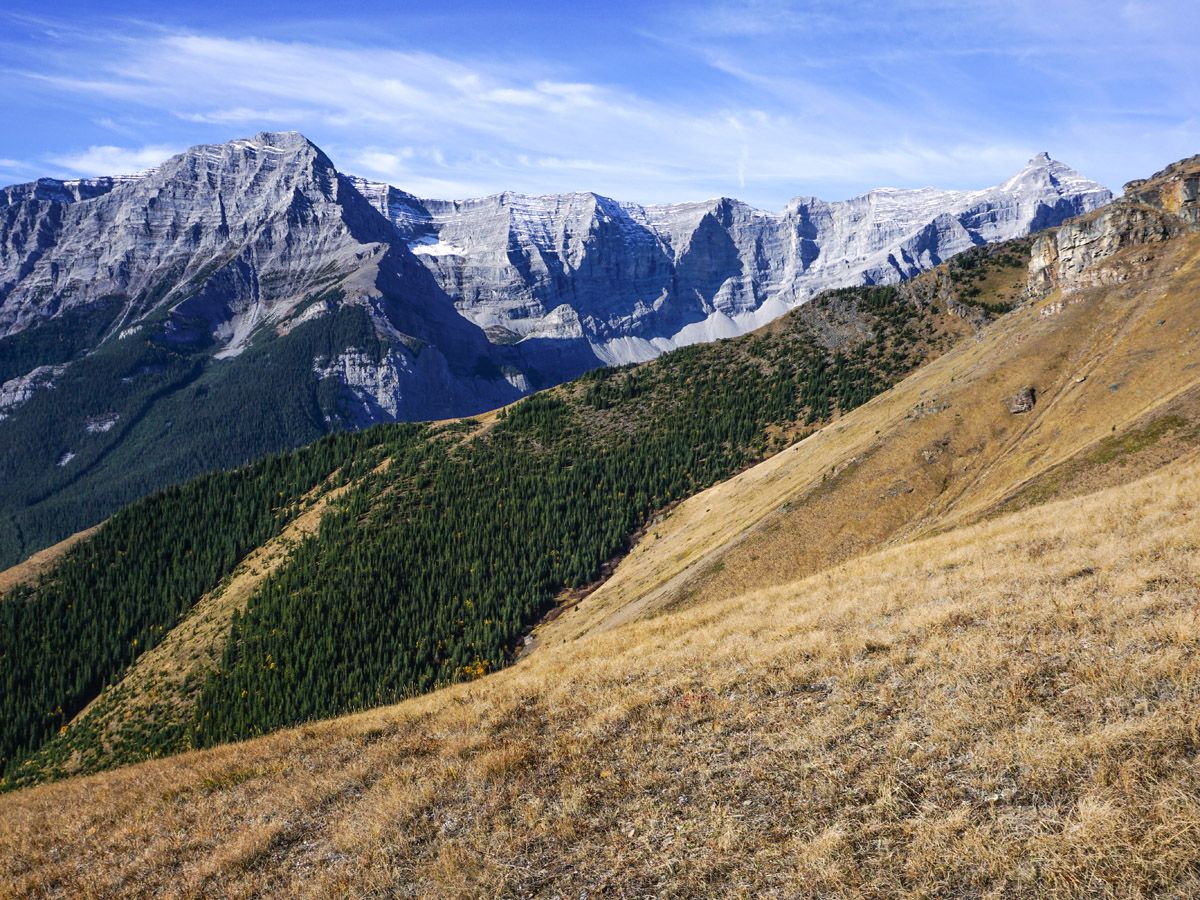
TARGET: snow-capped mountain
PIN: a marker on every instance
(637, 280)
(246, 297)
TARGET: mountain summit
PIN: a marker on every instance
(247, 297)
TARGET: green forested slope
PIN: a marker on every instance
(431, 567)
(114, 596)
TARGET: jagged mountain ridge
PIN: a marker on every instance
(238, 236)
(255, 294)
(637, 280)
(225, 238)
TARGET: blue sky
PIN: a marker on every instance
(642, 101)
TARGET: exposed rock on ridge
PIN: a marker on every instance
(1151, 211)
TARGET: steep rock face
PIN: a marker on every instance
(638, 280)
(257, 218)
(1176, 189)
(223, 243)
(1151, 211)
(57, 191)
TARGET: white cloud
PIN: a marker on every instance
(835, 107)
(109, 160)
(430, 123)
(242, 115)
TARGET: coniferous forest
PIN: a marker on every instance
(449, 544)
(115, 595)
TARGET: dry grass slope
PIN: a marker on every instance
(28, 571)
(1009, 709)
(1113, 367)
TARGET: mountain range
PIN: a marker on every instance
(637, 280)
(893, 595)
(247, 297)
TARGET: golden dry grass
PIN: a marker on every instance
(1009, 709)
(940, 449)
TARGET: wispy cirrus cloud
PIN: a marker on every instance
(1108, 85)
(762, 100)
(434, 125)
(107, 159)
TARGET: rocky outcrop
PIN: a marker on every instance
(17, 391)
(1022, 401)
(1176, 189)
(1151, 211)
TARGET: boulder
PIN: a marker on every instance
(1022, 401)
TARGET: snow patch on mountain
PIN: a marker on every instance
(429, 245)
(20, 390)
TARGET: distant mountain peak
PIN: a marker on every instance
(645, 279)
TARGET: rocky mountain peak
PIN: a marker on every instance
(1044, 173)
(225, 235)
(643, 279)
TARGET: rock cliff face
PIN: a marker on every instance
(634, 280)
(1176, 189)
(230, 243)
(1151, 211)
